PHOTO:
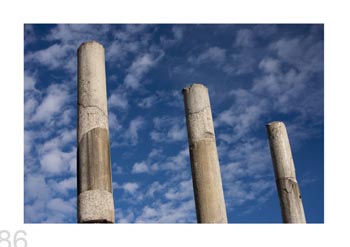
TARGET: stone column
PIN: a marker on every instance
(95, 195)
(287, 185)
(206, 177)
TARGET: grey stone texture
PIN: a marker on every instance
(284, 169)
(206, 176)
(92, 92)
(95, 194)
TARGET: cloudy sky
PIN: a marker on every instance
(255, 74)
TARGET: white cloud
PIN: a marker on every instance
(29, 137)
(155, 153)
(29, 107)
(68, 136)
(29, 81)
(176, 162)
(183, 191)
(57, 162)
(115, 51)
(113, 122)
(118, 99)
(57, 96)
(136, 28)
(147, 102)
(61, 206)
(54, 57)
(270, 65)
(64, 137)
(130, 187)
(177, 133)
(240, 64)
(127, 217)
(301, 52)
(29, 34)
(52, 162)
(252, 154)
(154, 188)
(283, 88)
(35, 212)
(243, 118)
(140, 167)
(240, 192)
(132, 133)
(141, 66)
(177, 35)
(244, 38)
(75, 34)
(67, 117)
(168, 129)
(264, 30)
(168, 213)
(65, 185)
(119, 170)
(232, 170)
(36, 187)
(118, 50)
(178, 32)
(214, 54)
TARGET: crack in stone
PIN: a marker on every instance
(193, 144)
(86, 106)
(190, 113)
(290, 182)
(291, 179)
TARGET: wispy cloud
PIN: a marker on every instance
(168, 213)
(148, 102)
(56, 162)
(29, 34)
(130, 187)
(270, 65)
(56, 97)
(140, 167)
(302, 52)
(244, 38)
(141, 66)
(132, 133)
(54, 57)
(177, 36)
(118, 99)
(168, 129)
(113, 122)
(29, 81)
(213, 54)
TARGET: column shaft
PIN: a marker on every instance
(287, 185)
(95, 194)
(208, 192)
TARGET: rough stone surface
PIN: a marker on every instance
(209, 196)
(287, 185)
(95, 206)
(95, 198)
(92, 92)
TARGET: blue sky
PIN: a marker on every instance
(255, 74)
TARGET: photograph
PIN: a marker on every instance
(152, 123)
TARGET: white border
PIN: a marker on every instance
(337, 41)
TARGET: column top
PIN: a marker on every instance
(275, 123)
(194, 85)
(91, 42)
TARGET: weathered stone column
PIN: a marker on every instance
(287, 185)
(208, 192)
(95, 195)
